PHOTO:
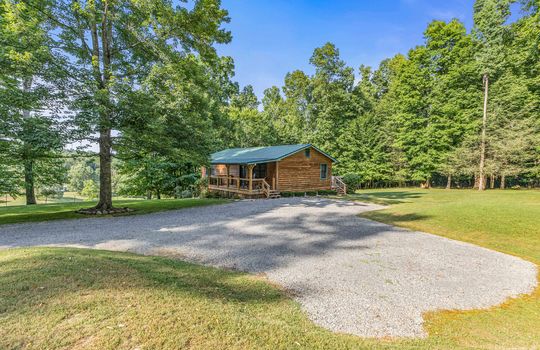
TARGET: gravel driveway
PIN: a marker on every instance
(350, 274)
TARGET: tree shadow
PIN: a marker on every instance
(393, 218)
(385, 197)
(254, 236)
(33, 277)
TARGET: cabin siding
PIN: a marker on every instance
(298, 173)
(221, 170)
(271, 174)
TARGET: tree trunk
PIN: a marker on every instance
(426, 184)
(28, 161)
(29, 182)
(492, 181)
(105, 182)
(503, 182)
(449, 182)
(481, 180)
(102, 81)
(149, 194)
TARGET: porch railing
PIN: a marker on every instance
(239, 185)
(338, 185)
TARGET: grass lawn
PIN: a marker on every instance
(64, 298)
(66, 210)
(507, 221)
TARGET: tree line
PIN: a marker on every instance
(418, 118)
(143, 81)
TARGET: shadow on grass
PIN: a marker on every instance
(385, 197)
(29, 277)
(392, 218)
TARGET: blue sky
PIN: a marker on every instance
(273, 37)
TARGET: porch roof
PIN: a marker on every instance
(255, 155)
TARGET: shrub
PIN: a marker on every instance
(186, 194)
(353, 181)
(307, 193)
(90, 189)
(52, 192)
(327, 193)
(201, 187)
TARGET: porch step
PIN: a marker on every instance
(274, 194)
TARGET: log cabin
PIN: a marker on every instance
(267, 171)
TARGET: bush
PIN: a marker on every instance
(186, 194)
(201, 187)
(353, 181)
(308, 193)
(52, 192)
(90, 189)
(327, 193)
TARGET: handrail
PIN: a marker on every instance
(266, 188)
(232, 182)
(338, 182)
(255, 179)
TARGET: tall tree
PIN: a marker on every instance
(296, 124)
(455, 88)
(114, 45)
(491, 32)
(333, 104)
(30, 103)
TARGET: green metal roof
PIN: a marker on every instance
(254, 155)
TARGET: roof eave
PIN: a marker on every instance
(279, 158)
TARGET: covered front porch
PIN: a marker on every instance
(250, 180)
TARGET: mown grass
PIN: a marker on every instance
(64, 298)
(44, 212)
(507, 221)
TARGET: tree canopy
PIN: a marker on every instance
(144, 82)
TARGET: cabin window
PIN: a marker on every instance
(307, 152)
(212, 170)
(324, 171)
(243, 171)
(259, 171)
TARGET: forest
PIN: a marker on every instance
(142, 82)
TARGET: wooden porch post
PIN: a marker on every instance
(250, 176)
(238, 179)
(277, 176)
(227, 166)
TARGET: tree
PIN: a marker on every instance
(491, 32)
(248, 125)
(81, 170)
(331, 92)
(294, 114)
(30, 101)
(115, 46)
(90, 190)
(455, 90)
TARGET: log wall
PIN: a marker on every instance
(298, 173)
(221, 170)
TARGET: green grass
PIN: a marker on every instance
(63, 298)
(65, 210)
(67, 197)
(507, 221)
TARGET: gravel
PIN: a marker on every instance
(350, 274)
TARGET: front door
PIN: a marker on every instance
(259, 171)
